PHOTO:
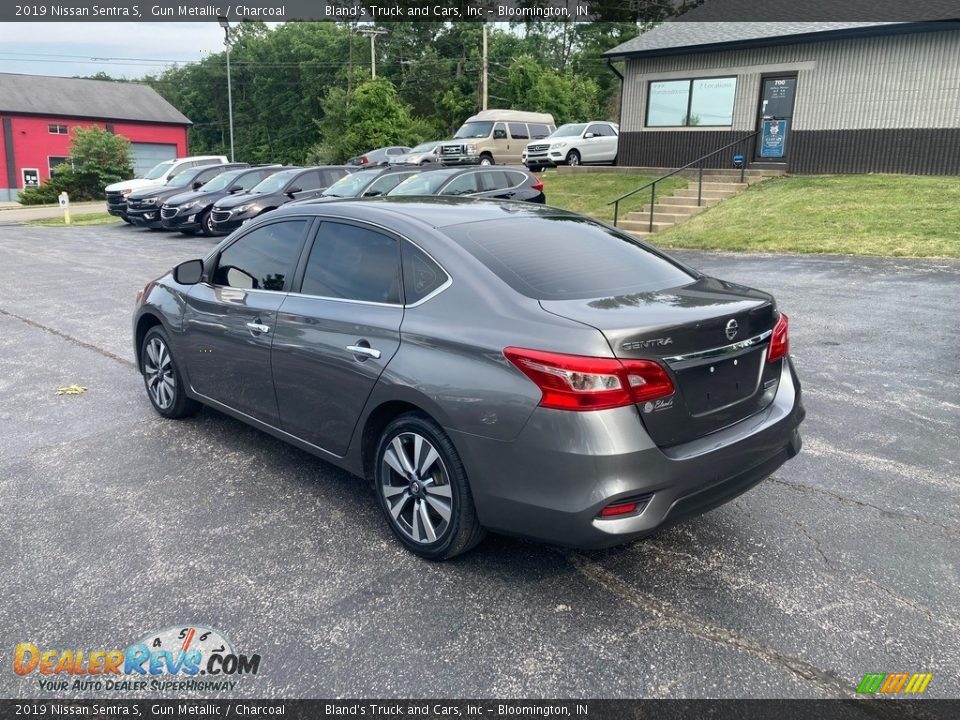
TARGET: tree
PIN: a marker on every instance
(370, 116)
(97, 159)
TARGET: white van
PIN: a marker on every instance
(495, 136)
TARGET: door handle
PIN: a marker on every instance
(364, 350)
(257, 327)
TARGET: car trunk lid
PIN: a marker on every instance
(712, 337)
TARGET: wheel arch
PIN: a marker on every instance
(382, 414)
(146, 321)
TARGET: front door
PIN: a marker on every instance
(775, 117)
(229, 319)
(336, 333)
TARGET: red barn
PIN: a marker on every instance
(38, 115)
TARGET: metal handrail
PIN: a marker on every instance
(699, 161)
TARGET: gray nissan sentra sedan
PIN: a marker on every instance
(486, 365)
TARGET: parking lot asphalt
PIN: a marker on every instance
(116, 522)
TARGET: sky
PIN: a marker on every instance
(74, 48)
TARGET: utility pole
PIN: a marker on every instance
(484, 78)
(225, 24)
(372, 34)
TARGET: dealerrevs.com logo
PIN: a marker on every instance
(177, 658)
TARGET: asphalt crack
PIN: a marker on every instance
(828, 683)
(799, 487)
(69, 338)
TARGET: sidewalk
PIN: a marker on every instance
(11, 215)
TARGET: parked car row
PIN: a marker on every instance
(215, 198)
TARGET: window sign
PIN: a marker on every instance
(30, 177)
(699, 102)
(773, 139)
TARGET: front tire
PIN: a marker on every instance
(422, 488)
(573, 158)
(206, 224)
(486, 159)
(162, 377)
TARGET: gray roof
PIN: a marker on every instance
(76, 97)
(674, 35)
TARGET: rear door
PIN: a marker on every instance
(336, 332)
(229, 318)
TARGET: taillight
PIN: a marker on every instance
(576, 382)
(780, 340)
(364, 160)
(538, 185)
(626, 508)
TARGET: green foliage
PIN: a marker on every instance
(97, 159)
(370, 116)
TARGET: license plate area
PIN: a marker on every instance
(716, 384)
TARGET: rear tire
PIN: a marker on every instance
(573, 158)
(162, 378)
(422, 488)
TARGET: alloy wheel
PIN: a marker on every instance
(159, 373)
(574, 159)
(416, 488)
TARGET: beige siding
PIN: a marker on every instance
(899, 81)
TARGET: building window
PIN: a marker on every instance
(57, 129)
(53, 161)
(703, 102)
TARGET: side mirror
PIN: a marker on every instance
(293, 191)
(235, 189)
(189, 272)
(197, 185)
(587, 136)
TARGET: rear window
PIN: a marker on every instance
(560, 258)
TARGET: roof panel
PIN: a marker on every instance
(78, 97)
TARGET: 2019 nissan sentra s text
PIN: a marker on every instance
(487, 365)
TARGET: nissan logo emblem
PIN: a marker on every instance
(732, 329)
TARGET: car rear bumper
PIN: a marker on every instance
(552, 481)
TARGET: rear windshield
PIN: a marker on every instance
(561, 258)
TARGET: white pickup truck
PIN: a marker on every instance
(159, 175)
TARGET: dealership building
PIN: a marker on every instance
(809, 97)
(38, 115)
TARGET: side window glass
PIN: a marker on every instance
(518, 131)
(251, 179)
(383, 185)
(421, 275)
(499, 131)
(492, 180)
(262, 259)
(462, 185)
(312, 180)
(597, 130)
(538, 131)
(353, 263)
(514, 179)
(208, 175)
(331, 176)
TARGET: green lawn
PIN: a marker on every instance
(588, 193)
(893, 215)
(100, 218)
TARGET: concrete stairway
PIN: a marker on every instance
(682, 204)
(673, 209)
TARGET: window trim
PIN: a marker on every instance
(689, 81)
(66, 129)
(287, 284)
(383, 229)
(65, 158)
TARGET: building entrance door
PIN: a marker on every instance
(775, 117)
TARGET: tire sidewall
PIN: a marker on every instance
(206, 226)
(181, 402)
(414, 422)
(486, 160)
